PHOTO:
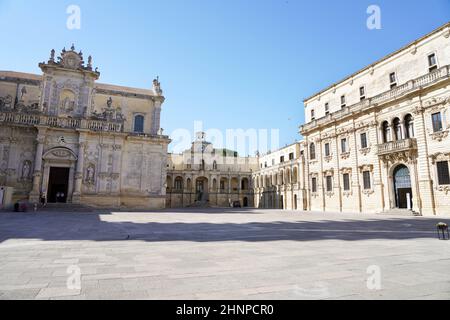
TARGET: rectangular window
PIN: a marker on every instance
(367, 182)
(443, 172)
(291, 156)
(362, 93)
(282, 159)
(344, 145)
(313, 115)
(346, 179)
(327, 149)
(432, 63)
(273, 162)
(343, 102)
(327, 108)
(393, 80)
(364, 140)
(329, 183)
(437, 122)
(314, 185)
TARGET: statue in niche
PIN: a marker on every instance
(90, 174)
(26, 170)
(23, 92)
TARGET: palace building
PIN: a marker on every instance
(206, 176)
(68, 138)
(379, 140)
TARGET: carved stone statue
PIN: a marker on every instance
(26, 170)
(157, 86)
(109, 103)
(23, 92)
(90, 174)
(52, 55)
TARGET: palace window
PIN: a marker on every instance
(314, 185)
(443, 172)
(364, 143)
(432, 62)
(215, 165)
(362, 93)
(313, 115)
(291, 156)
(273, 162)
(327, 108)
(312, 151)
(409, 127)
(346, 180)
(178, 184)
(343, 102)
(282, 159)
(327, 150)
(393, 80)
(329, 180)
(344, 145)
(437, 121)
(397, 129)
(139, 124)
(366, 180)
(386, 132)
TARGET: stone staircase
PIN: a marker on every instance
(64, 207)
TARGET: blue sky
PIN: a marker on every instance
(231, 64)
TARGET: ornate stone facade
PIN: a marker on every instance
(387, 127)
(206, 176)
(65, 136)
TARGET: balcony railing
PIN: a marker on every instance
(396, 146)
(58, 122)
(395, 93)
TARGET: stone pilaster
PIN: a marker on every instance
(37, 175)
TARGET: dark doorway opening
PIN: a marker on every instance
(58, 185)
(245, 202)
(281, 202)
(402, 187)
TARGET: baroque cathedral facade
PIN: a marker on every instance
(67, 138)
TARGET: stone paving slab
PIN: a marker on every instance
(221, 254)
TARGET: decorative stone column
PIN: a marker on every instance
(37, 175)
(79, 171)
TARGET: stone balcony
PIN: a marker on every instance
(385, 97)
(29, 119)
(397, 146)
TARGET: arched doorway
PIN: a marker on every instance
(201, 189)
(402, 188)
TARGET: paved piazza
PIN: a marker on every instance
(220, 254)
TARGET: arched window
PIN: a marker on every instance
(409, 127)
(179, 183)
(386, 132)
(312, 151)
(397, 129)
(139, 124)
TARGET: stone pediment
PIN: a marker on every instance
(60, 154)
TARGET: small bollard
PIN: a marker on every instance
(442, 228)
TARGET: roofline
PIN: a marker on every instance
(446, 25)
(99, 85)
